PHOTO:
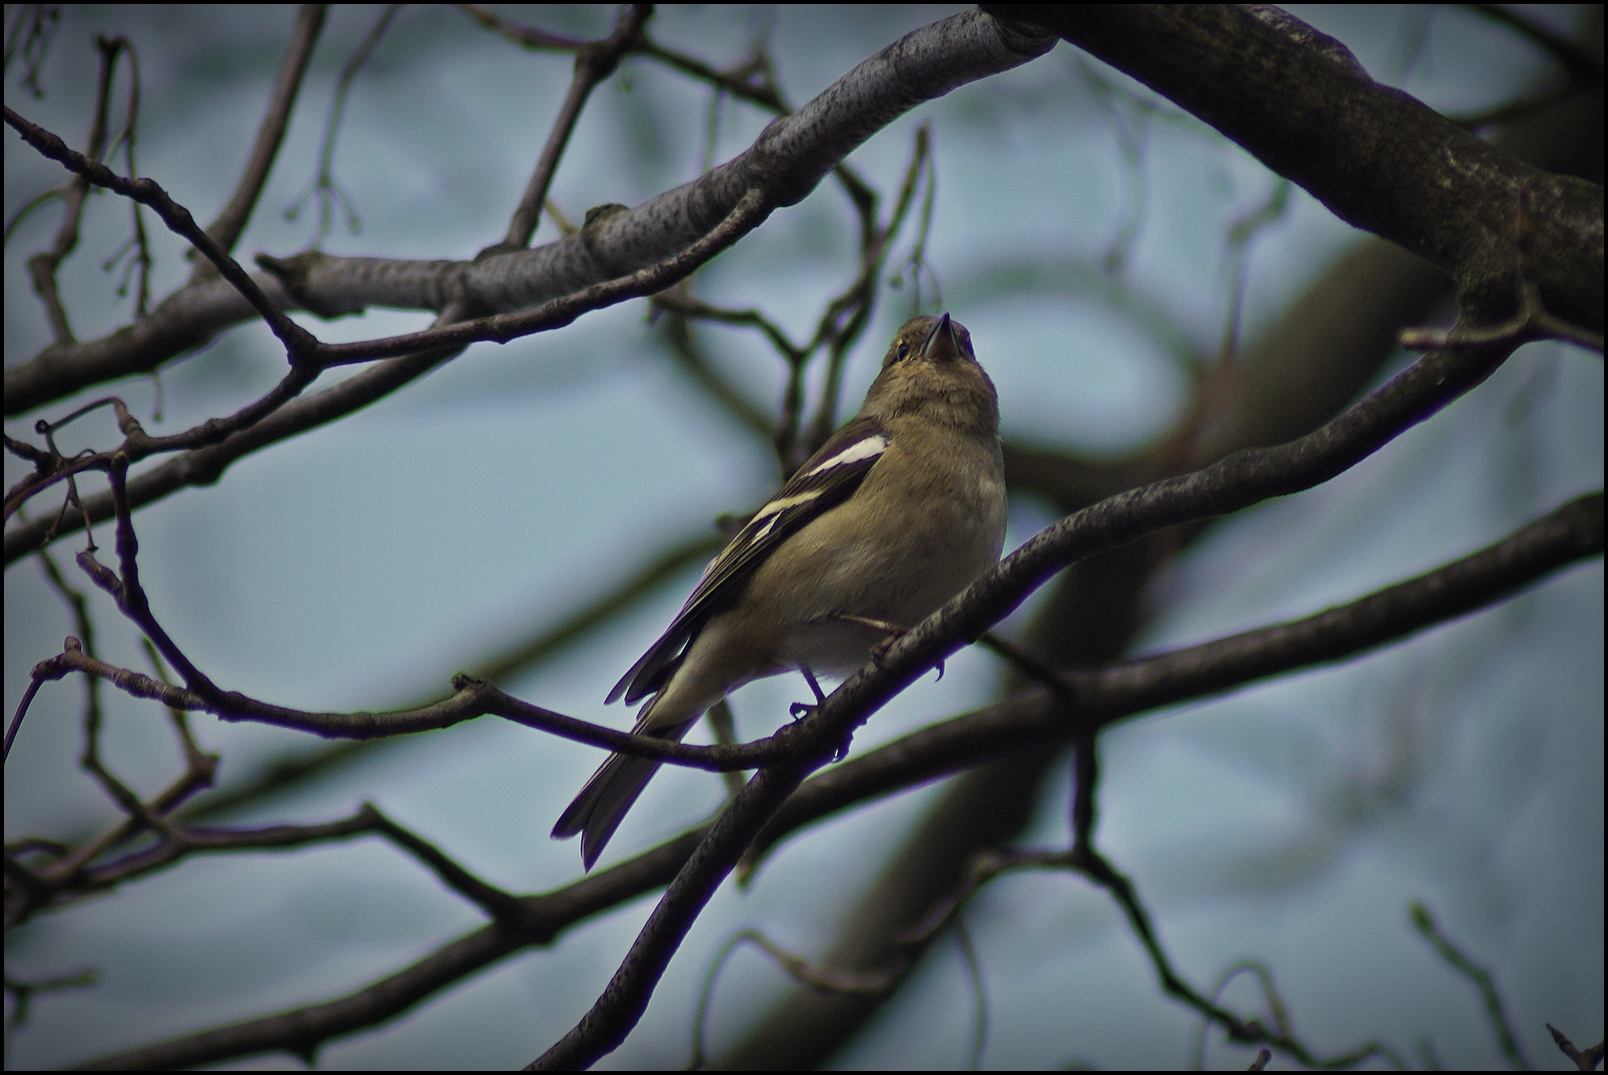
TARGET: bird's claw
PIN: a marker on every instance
(879, 651)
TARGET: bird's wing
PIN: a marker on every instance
(828, 478)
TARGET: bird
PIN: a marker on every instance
(901, 509)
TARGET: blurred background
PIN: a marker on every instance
(1104, 249)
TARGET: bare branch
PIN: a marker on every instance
(226, 227)
(1033, 719)
(787, 161)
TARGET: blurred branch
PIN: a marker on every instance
(1582, 64)
(471, 697)
(594, 62)
(1033, 720)
(231, 220)
(42, 266)
(538, 643)
(1585, 1060)
(696, 363)
(1330, 342)
(1424, 923)
(324, 185)
(1243, 478)
(1065, 704)
(1083, 701)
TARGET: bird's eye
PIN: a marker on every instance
(904, 351)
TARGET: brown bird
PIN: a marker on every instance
(899, 511)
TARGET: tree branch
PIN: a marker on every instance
(1378, 158)
(788, 160)
(1031, 720)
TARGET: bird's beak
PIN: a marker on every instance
(941, 344)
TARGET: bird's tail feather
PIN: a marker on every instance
(602, 804)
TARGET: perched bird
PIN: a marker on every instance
(899, 511)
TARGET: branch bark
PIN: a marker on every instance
(788, 159)
(1378, 158)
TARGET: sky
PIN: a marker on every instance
(1293, 822)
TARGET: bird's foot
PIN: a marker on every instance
(880, 650)
(891, 632)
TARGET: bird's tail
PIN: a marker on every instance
(602, 804)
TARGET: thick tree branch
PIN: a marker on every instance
(787, 161)
(1375, 156)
